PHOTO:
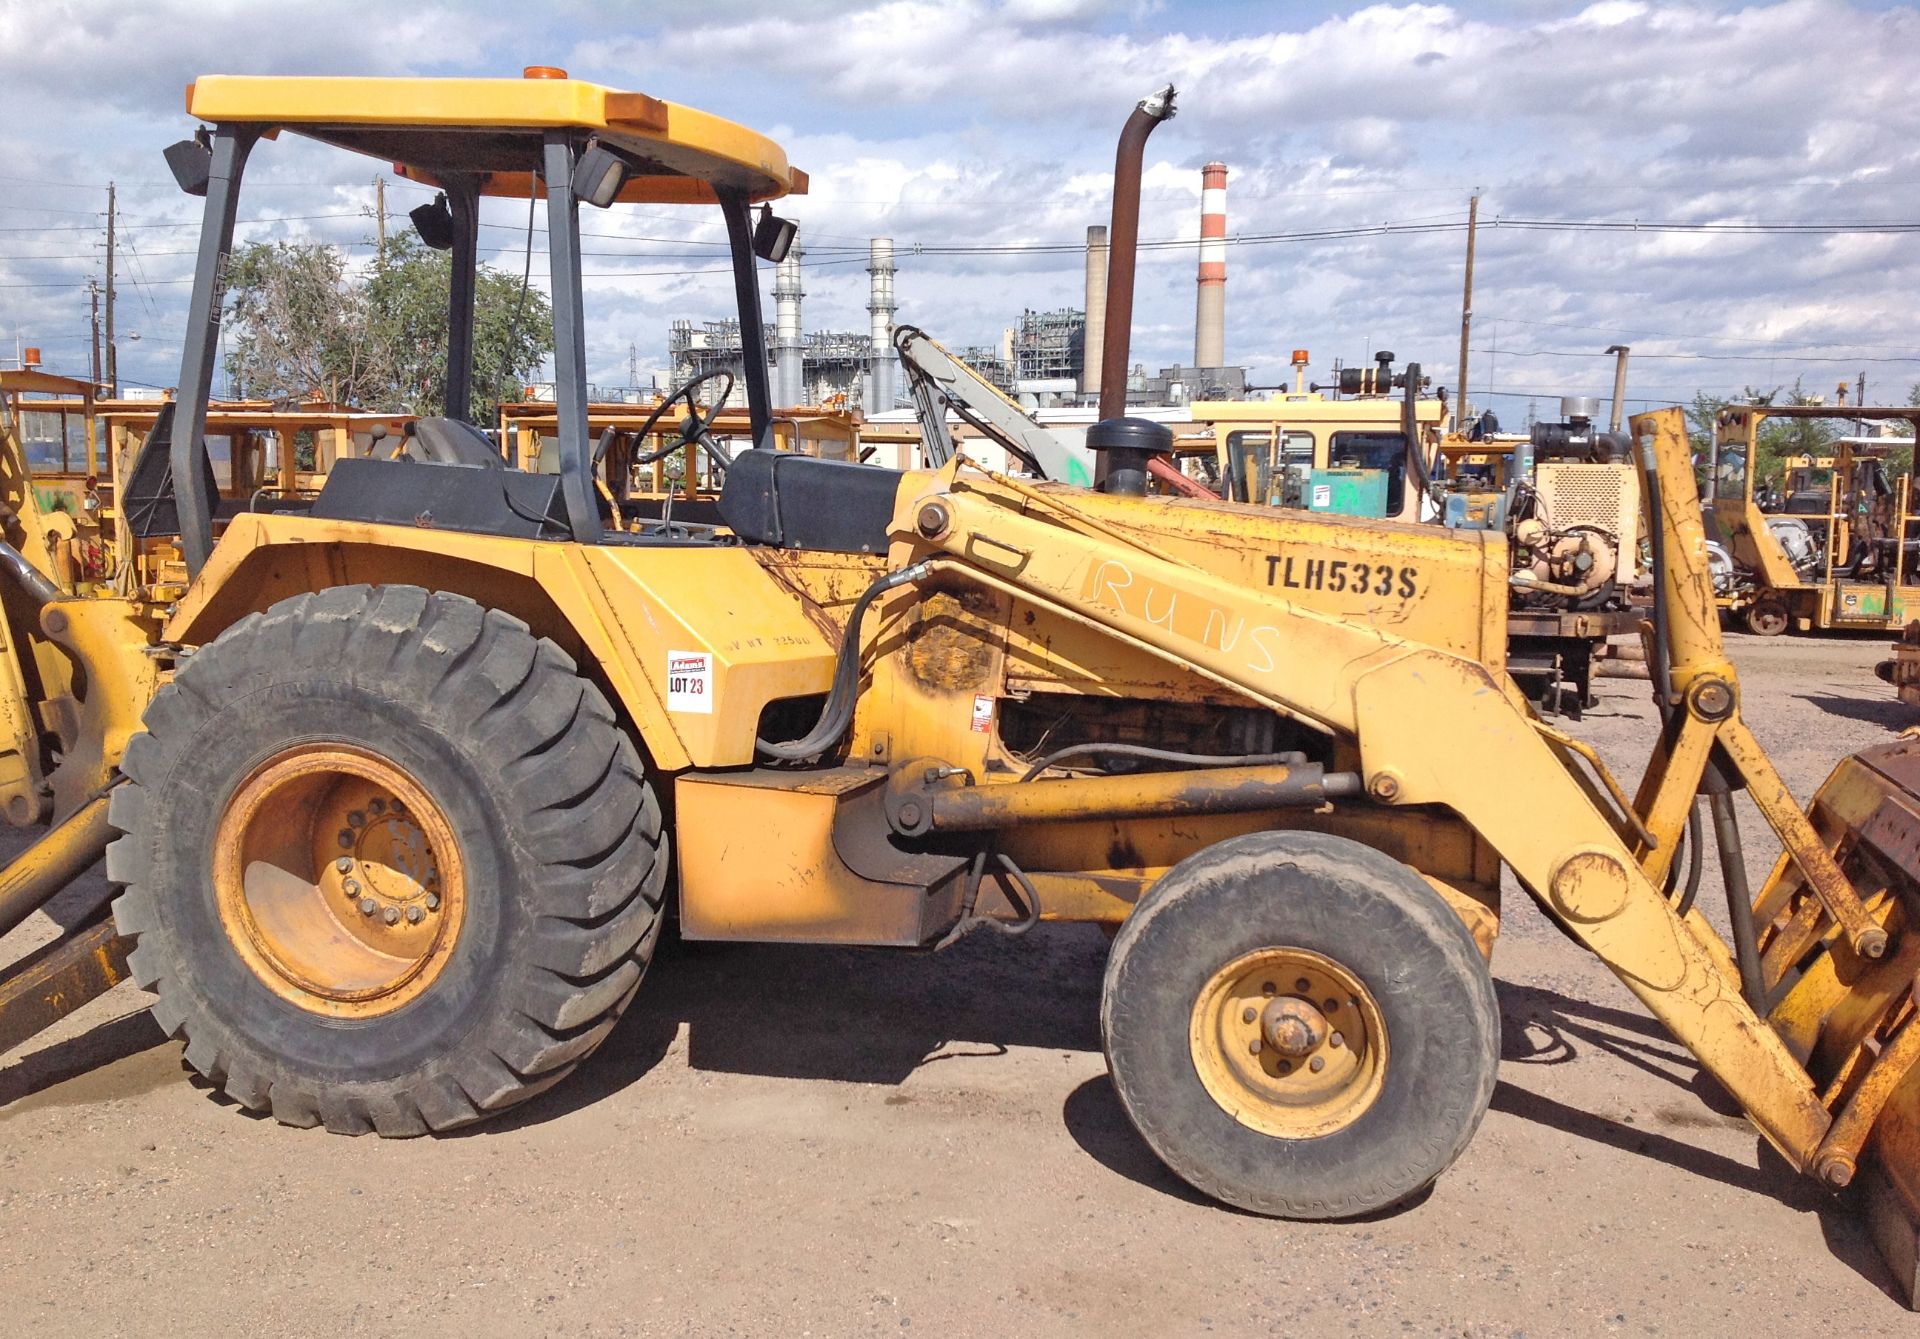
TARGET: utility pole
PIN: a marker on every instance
(93, 294)
(113, 354)
(380, 210)
(1466, 308)
(1619, 414)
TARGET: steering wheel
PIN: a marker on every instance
(693, 428)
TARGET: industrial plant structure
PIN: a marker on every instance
(1047, 357)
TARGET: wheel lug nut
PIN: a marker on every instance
(391, 916)
(415, 915)
(1303, 985)
(1336, 1041)
(368, 906)
(1332, 1006)
(1266, 988)
(1253, 1047)
(1318, 1063)
(1248, 1014)
(356, 819)
(346, 837)
(344, 863)
(433, 901)
(352, 887)
(377, 807)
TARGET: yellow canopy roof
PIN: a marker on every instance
(431, 128)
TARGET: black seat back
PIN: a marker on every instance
(800, 502)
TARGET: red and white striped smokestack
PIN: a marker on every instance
(1210, 309)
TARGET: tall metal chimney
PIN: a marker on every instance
(790, 376)
(1210, 308)
(880, 308)
(1095, 337)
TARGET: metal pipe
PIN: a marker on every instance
(1123, 237)
(67, 851)
(1212, 790)
(1733, 875)
(33, 583)
(1618, 414)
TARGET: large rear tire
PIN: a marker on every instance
(389, 861)
(1298, 1025)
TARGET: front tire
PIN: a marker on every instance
(1298, 1025)
(389, 861)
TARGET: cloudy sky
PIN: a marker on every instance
(993, 122)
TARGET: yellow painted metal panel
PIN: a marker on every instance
(629, 608)
(690, 141)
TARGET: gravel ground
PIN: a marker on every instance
(822, 1142)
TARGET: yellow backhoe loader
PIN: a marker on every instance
(435, 747)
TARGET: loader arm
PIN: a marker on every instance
(939, 381)
(1427, 724)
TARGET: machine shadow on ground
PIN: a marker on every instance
(847, 1015)
(1890, 711)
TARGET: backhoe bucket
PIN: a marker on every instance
(1852, 1020)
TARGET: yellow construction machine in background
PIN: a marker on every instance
(436, 746)
(1838, 548)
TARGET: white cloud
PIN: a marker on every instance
(967, 120)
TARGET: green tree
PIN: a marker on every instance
(513, 328)
(301, 323)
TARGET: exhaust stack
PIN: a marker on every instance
(1096, 329)
(790, 374)
(1210, 307)
(1124, 243)
(880, 307)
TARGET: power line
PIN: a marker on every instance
(1699, 357)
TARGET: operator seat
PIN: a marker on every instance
(793, 501)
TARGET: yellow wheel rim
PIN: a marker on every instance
(338, 881)
(1289, 1043)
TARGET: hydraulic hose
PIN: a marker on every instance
(837, 714)
(1151, 754)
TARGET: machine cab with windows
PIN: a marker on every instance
(1347, 453)
(544, 138)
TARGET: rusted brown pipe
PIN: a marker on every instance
(1123, 245)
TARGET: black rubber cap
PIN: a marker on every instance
(1130, 434)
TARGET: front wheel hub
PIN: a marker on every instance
(338, 880)
(1294, 1027)
(1289, 1042)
